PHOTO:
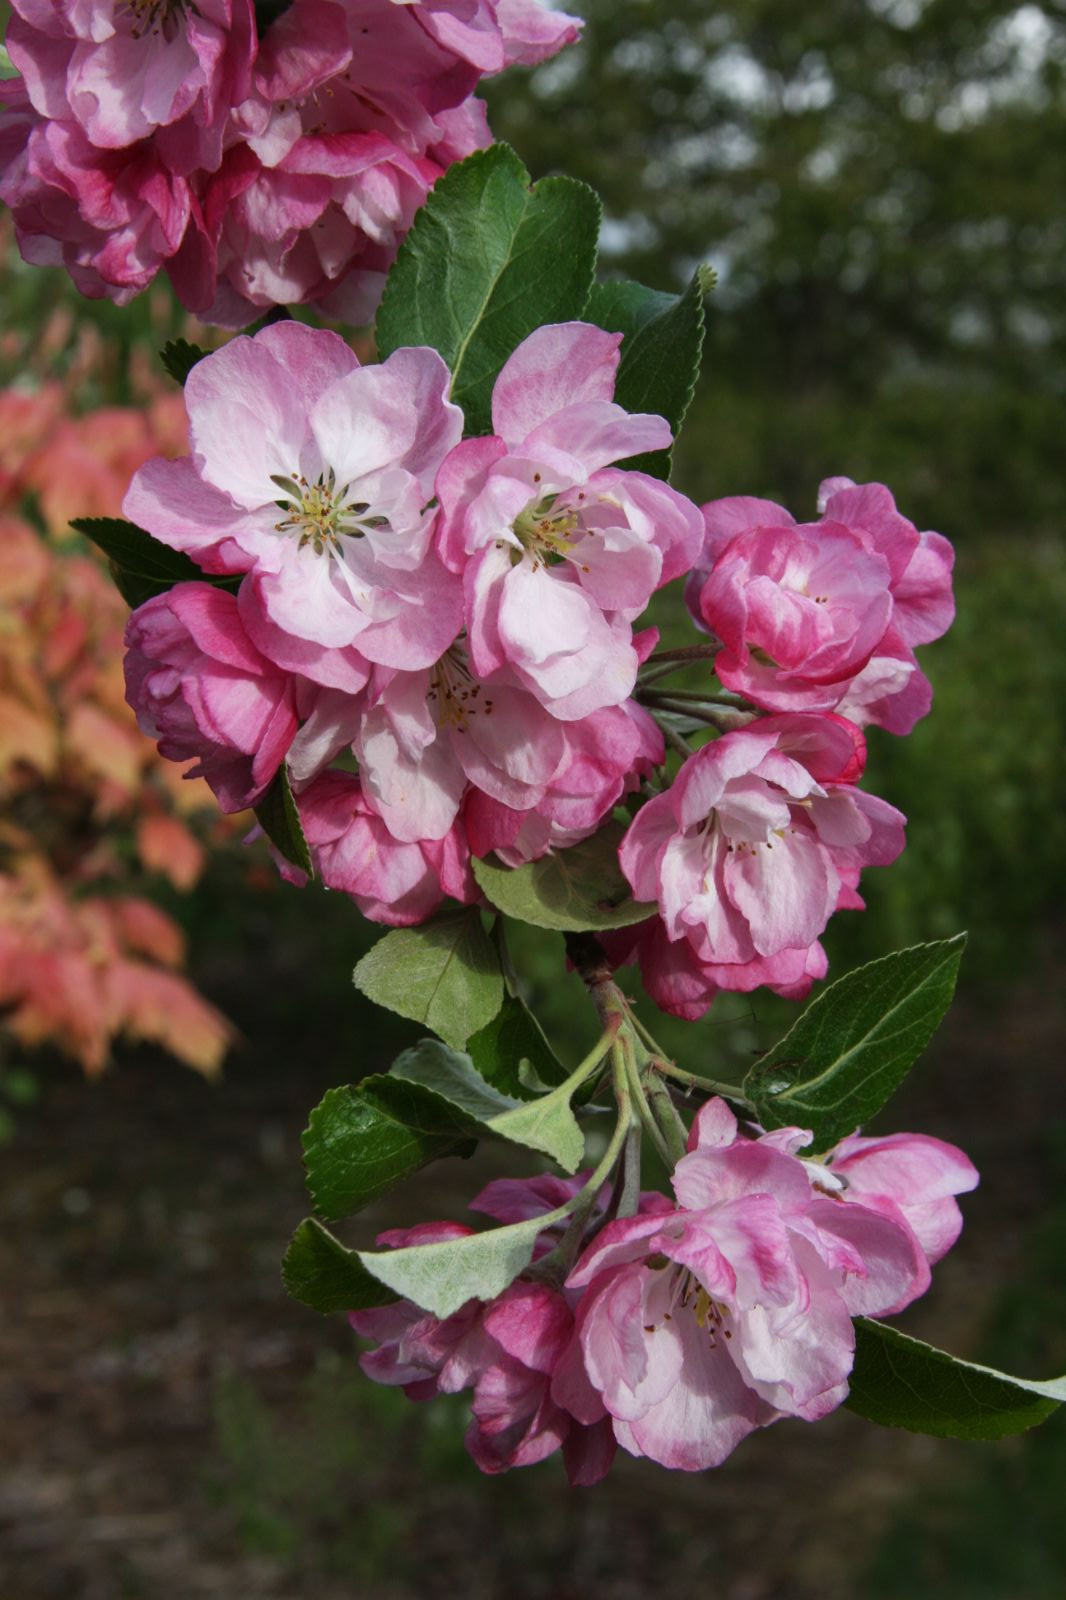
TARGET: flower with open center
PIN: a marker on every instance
(315, 475)
(700, 1324)
(560, 551)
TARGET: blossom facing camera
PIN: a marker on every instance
(315, 474)
(760, 838)
(558, 549)
(202, 690)
(824, 616)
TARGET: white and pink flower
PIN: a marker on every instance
(607, 756)
(282, 170)
(759, 839)
(699, 1325)
(315, 474)
(824, 616)
(558, 549)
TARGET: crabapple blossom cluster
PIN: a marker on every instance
(684, 1327)
(258, 159)
(414, 637)
(434, 636)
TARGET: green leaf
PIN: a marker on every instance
(179, 357)
(661, 350)
(571, 891)
(320, 1272)
(853, 1046)
(903, 1383)
(443, 1276)
(8, 68)
(364, 1139)
(546, 1124)
(279, 819)
(514, 1039)
(444, 974)
(489, 259)
(140, 566)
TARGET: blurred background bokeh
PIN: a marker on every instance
(878, 184)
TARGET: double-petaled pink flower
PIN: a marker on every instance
(699, 1325)
(683, 1328)
(391, 881)
(759, 839)
(126, 72)
(506, 1350)
(256, 172)
(201, 688)
(560, 550)
(824, 616)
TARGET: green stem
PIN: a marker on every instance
(629, 1198)
(558, 1262)
(692, 1080)
(724, 718)
(682, 656)
(675, 741)
(673, 1130)
(640, 1098)
(564, 1090)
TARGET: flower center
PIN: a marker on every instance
(547, 533)
(320, 514)
(156, 16)
(687, 1293)
(454, 693)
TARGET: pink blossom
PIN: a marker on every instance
(607, 755)
(824, 616)
(558, 550)
(430, 734)
(506, 1350)
(315, 475)
(321, 225)
(353, 851)
(758, 841)
(908, 1173)
(112, 218)
(255, 172)
(681, 983)
(699, 1325)
(127, 72)
(201, 689)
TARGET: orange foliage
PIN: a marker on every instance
(88, 805)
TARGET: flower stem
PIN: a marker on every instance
(692, 1080)
(724, 718)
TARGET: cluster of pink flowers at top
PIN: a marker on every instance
(682, 1329)
(437, 638)
(256, 170)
